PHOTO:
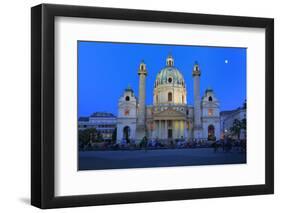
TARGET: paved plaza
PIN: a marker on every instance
(121, 159)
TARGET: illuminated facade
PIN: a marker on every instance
(170, 117)
(103, 122)
(229, 117)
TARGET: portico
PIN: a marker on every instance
(169, 124)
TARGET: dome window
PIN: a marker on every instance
(210, 98)
(170, 80)
(127, 98)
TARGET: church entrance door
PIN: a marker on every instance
(126, 133)
(211, 133)
(170, 133)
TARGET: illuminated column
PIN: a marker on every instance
(185, 131)
(154, 129)
(161, 129)
(173, 128)
(166, 130)
(158, 129)
(182, 129)
(160, 135)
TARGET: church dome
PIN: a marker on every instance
(169, 86)
(169, 75)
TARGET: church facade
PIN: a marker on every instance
(170, 117)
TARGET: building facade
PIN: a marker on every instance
(227, 119)
(103, 122)
(169, 117)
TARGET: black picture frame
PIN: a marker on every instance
(43, 110)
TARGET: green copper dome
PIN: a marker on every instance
(169, 74)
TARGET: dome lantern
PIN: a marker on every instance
(170, 61)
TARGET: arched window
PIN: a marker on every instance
(210, 112)
(156, 99)
(210, 98)
(170, 96)
(182, 99)
(127, 98)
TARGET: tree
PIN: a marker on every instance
(244, 124)
(114, 135)
(245, 104)
(89, 136)
(236, 128)
(99, 137)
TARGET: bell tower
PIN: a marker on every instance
(127, 115)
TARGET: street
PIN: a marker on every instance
(121, 159)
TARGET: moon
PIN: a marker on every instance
(226, 61)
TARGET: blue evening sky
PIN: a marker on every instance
(106, 69)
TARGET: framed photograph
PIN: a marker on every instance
(136, 106)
